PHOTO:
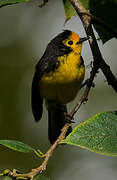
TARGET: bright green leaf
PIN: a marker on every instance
(69, 10)
(41, 178)
(97, 134)
(8, 2)
(17, 146)
(5, 172)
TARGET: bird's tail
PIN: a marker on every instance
(56, 120)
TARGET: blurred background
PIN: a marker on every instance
(25, 30)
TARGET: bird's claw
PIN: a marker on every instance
(69, 118)
(89, 83)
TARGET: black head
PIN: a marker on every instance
(56, 46)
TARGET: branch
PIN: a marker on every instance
(34, 172)
(42, 167)
(98, 62)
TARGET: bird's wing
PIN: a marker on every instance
(45, 64)
(37, 101)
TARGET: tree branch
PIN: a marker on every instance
(42, 167)
(98, 59)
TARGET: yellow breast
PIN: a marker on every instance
(63, 84)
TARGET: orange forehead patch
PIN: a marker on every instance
(74, 36)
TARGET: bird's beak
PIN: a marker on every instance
(82, 40)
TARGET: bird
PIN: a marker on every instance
(57, 79)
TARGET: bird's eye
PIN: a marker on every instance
(70, 42)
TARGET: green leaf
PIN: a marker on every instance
(5, 172)
(69, 10)
(97, 134)
(41, 178)
(105, 10)
(6, 175)
(85, 3)
(17, 146)
(8, 2)
(7, 178)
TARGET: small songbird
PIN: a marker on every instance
(58, 78)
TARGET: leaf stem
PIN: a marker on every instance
(38, 153)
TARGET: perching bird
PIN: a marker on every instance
(58, 78)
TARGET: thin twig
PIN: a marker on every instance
(47, 156)
(84, 97)
(42, 167)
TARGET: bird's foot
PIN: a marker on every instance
(69, 118)
(89, 83)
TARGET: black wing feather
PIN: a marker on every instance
(44, 65)
(37, 101)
